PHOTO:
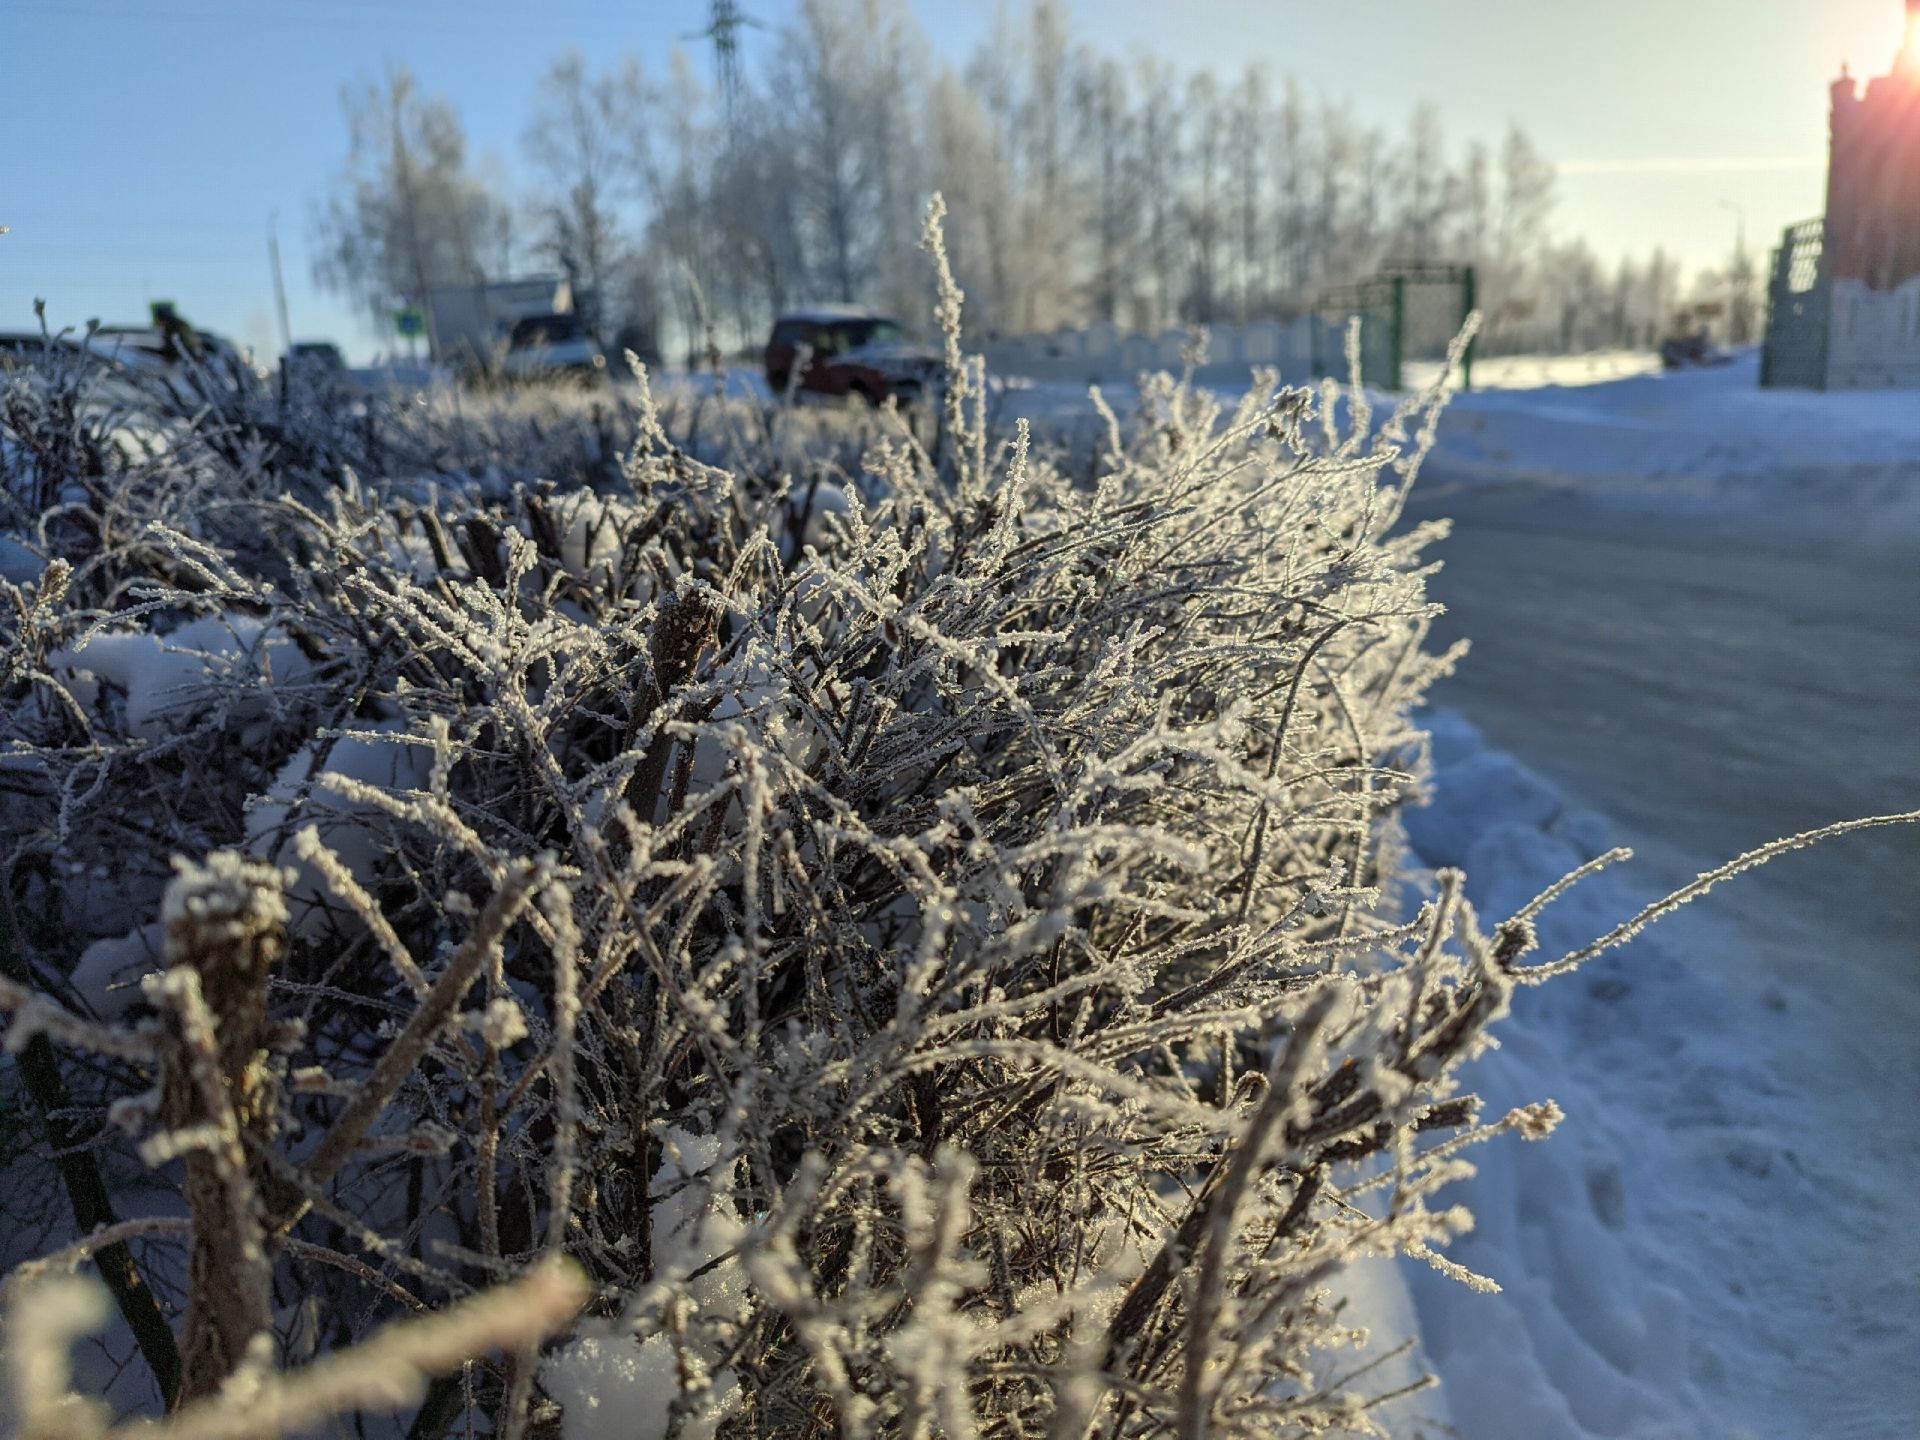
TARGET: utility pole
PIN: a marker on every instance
(279, 284)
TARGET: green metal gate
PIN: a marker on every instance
(1407, 312)
(1799, 308)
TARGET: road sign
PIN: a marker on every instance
(409, 322)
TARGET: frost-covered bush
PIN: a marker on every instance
(916, 926)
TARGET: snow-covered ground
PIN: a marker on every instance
(1590, 1334)
(1531, 372)
(1697, 607)
(1699, 442)
(1709, 1245)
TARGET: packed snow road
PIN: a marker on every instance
(1708, 686)
(1708, 691)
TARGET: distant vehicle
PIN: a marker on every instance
(637, 340)
(1691, 352)
(131, 347)
(315, 357)
(139, 345)
(113, 377)
(470, 326)
(201, 359)
(853, 352)
(315, 372)
(125, 368)
(179, 358)
(396, 372)
(546, 347)
(23, 347)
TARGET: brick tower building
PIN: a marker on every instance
(1844, 302)
(1873, 172)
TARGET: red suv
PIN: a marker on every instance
(851, 352)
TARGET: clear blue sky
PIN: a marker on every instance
(144, 144)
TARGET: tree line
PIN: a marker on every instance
(1081, 186)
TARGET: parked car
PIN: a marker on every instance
(130, 391)
(199, 360)
(315, 370)
(1691, 352)
(547, 347)
(316, 357)
(851, 352)
(23, 347)
(638, 340)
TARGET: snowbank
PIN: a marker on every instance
(1638, 1249)
(1706, 442)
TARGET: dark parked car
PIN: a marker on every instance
(319, 357)
(315, 372)
(851, 352)
(1690, 352)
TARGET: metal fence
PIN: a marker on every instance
(1799, 310)
(1409, 316)
(1408, 313)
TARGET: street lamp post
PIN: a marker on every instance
(1739, 279)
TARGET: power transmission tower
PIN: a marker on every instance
(723, 29)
